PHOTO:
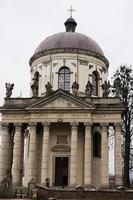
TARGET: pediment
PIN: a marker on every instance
(60, 101)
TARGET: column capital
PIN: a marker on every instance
(45, 124)
(88, 124)
(117, 126)
(18, 126)
(74, 125)
(32, 124)
(4, 125)
(104, 125)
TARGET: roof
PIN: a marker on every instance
(69, 40)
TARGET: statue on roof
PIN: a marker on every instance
(49, 90)
(88, 90)
(106, 88)
(117, 87)
(9, 88)
(35, 84)
(75, 87)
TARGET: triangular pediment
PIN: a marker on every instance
(60, 100)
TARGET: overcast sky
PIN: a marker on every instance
(25, 23)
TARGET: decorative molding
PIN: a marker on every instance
(54, 64)
(91, 66)
(61, 148)
(70, 50)
(84, 62)
(73, 64)
(46, 62)
(103, 69)
(64, 62)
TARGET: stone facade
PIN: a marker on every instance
(59, 135)
(60, 126)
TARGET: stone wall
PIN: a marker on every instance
(87, 195)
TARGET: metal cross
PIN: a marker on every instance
(71, 10)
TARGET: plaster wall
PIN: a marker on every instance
(81, 68)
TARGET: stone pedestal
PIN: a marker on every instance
(4, 153)
(87, 155)
(45, 153)
(73, 159)
(32, 165)
(118, 155)
(17, 151)
(104, 156)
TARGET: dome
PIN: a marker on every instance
(69, 40)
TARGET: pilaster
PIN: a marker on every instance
(45, 152)
(17, 150)
(32, 165)
(4, 153)
(73, 159)
(118, 155)
(104, 156)
(87, 155)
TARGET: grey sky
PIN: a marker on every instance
(25, 23)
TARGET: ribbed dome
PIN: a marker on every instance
(69, 40)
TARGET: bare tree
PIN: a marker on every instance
(123, 88)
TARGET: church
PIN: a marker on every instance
(58, 137)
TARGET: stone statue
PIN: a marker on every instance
(9, 88)
(75, 87)
(49, 90)
(34, 88)
(106, 88)
(88, 90)
(117, 87)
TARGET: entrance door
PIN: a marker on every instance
(61, 171)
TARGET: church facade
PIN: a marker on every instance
(59, 135)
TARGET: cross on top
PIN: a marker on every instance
(71, 10)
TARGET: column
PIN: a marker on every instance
(4, 153)
(45, 152)
(104, 156)
(32, 171)
(118, 155)
(17, 151)
(87, 155)
(73, 159)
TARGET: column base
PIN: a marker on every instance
(118, 181)
(89, 187)
(104, 187)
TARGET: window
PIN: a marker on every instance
(64, 78)
(97, 145)
(95, 83)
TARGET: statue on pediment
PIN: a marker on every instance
(75, 87)
(35, 84)
(49, 90)
(9, 88)
(106, 88)
(34, 88)
(88, 89)
(117, 87)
